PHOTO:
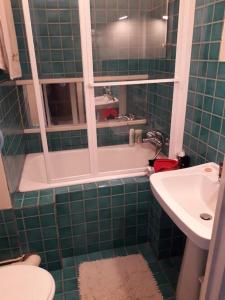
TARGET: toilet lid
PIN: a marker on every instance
(24, 282)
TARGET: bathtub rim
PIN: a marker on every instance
(88, 179)
(26, 186)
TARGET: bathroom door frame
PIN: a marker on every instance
(180, 80)
(213, 285)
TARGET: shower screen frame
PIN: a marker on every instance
(180, 81)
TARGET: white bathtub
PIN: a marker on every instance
(73, 166)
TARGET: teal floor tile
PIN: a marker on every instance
(57, 275)
(59, 297)
(108, 253)
(81, 258)
(166, 290)
(69, 261)
(165, 271)
(69, 273)
(120, 251)
(70, 285)
(160, 278)
(74, 295)
(155, 267)
(132, 250)
(94, 256)
(58, 287)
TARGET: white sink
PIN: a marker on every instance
(104, 100)
(184, 195)
(187, 193)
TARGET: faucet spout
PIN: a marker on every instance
(157, 139)
(108, 92)
(129, 117)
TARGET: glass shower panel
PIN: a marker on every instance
(56, 33)
(134, 39)
(134, 106)
(122, 108)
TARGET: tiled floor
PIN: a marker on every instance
(165, 271)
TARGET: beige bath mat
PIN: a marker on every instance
(120, 278)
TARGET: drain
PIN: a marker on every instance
(205, 217)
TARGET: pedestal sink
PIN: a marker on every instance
(189, 197)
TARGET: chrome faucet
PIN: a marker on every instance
(156, 138)
(129, 117)
(108, 93)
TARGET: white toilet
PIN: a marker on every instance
(26, 282)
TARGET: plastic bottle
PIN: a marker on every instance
(150, 171)
(183, 159)
(131, 137)
(138, 136)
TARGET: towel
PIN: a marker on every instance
(9, 53)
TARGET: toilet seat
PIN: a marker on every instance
(24, 282)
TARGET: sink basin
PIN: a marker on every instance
(185, 194)
(104, 101)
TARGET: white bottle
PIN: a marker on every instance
(138, 136)
(131, 137)
(150, 171)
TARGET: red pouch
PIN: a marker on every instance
(161, 165)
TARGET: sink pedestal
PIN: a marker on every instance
(192, 268)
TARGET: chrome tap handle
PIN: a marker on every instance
(150, 134)
(107, 90)
(156, 138)
(154, 133)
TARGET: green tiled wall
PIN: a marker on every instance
(77, 139)
(56, 35)
(153, 102)
(37, 226)
(11, 101)
(115, 135)
(9, 239)
(102, 215)
(33, 143)
(105, 13)
(156, 69)
(3, 76)
(165, 237)
(160, 99)
(57, 141)
(137, 102)
(204, 138)
(57, 39)
(85, 218)
(57, 44)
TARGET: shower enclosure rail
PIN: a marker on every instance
(180, 80)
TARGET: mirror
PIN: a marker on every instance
(64, 104)
(125, 34)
